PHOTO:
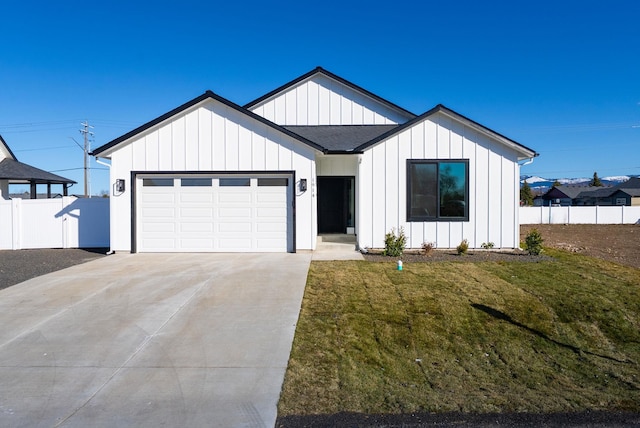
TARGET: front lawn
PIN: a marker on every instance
(561, 335)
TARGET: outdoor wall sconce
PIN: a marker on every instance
(303, 184)
(120, 185)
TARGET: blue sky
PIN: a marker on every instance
(561, 77)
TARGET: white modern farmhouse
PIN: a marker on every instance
(317, 155)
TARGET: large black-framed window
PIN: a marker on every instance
(437, 190)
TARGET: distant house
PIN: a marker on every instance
(627, 193)
(559, 196)
(14, 172)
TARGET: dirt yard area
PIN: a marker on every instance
(616, 243)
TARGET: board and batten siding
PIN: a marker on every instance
(320, 100)
(212, 137)
(493, 187)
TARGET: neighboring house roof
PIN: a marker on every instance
(631, 192)
(632, 183)
(570, 192)
(340, 138)
(322, 71)
(11, 169)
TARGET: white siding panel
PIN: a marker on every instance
(178, 144)
(313, 103)
(165, 149)
(478, 193)
(335, 104)
(494, 196)
(218, 152)
(258, 154)
(152, 150)
(192, 147)
(392, 177)
(244, 148)
(378, 214)
(302, 104)
(430, 140)
(231, 146)
(205, 139)
(364, 193)
(444, 142)
(291, 107)
(508, 209)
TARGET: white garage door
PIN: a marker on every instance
(214, 214)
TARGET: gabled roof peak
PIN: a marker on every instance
(335, 77)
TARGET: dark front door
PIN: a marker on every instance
(335, 204)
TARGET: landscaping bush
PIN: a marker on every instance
(463, 247)
(427, 247)
(394, 245)
(487, 245)
(533, 242)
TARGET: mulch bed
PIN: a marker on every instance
(452, 256)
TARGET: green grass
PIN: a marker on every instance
(553, 336)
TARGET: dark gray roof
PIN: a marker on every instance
(13, 170)
(340, 138)
(631, 192)
(632, 183)
(569, 191)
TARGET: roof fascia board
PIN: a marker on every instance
(527, 152)
(6, 146)
(326, 73)
(104, 150)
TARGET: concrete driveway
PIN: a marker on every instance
(151, 340)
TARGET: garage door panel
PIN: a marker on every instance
(150, 197)
(226, 197)
(159, 227)
(265, 227)
(234, 243)
(235, 227)
(276, 198)
(196, 244)
(273, 212)
(194, 212)
(156, 212)
(230, 213)
(226, 218)
(204, 226)
(197, 197)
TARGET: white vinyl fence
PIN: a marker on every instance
(66, 222)
(580, 215)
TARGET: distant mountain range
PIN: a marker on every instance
(541, 185)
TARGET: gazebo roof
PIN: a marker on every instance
(18, 172)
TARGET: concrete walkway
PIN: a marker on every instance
(151, 340)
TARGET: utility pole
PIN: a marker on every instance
(87, 148)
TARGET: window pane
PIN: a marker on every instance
(453, 178)
(273, 182)
(193, 182)
(424, 190)
(235, 182)
(157, 182)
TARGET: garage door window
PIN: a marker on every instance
(273, 182)
(235, 182)
(195, 182)
(157, 182)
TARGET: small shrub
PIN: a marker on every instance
(533, 242)
(394, 244)
(427, 247)
(487, 245)
(463, 247)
